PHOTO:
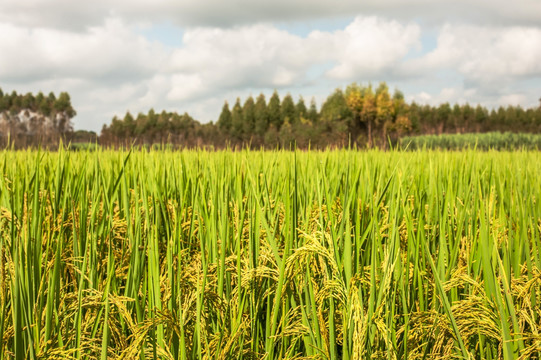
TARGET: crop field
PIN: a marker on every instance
(270, 255)
(480, 141)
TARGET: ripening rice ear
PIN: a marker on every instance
(276, 255)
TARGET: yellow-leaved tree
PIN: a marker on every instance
(381, 113)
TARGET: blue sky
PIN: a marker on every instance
(114, 56)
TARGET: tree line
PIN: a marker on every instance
(360, 115)
(33, 120)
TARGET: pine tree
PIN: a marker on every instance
(27, 102)
(248, 113)
(224, 121)
(261, 116)
(288, 110)
(301, 108)
(129, 125)
(237, 121)
(3, 102)
(37, 102)
(312, 113)
(274, 111)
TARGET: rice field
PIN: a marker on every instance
(479, 141)
(270, 255)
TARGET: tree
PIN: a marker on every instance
(369, 111)
(248, 113)
(116, 128)
(27, 102)
(141, 127)
(468, 116)
(64, 112)
(129, 125)
(4, 105)
(335, 118)
(39, 98)
(274, 111)
(312, 113)
(45, 107)
(261, 116)
(443, 116)
(399, 103)
(384, 109)
(150, 125)
(162, 127)
(362, 103)
(224, 121)
(288, 110)
(33, 120)
(301, 108)
(51, 99)
(237, 121)
(481, 116)
(354, 99)
(401, 113)
(335, 109)
(16, 103)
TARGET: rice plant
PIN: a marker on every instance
(270, 255)
(480, 141)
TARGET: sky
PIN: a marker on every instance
(114, 56)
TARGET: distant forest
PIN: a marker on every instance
(31, 120)
(359, 115)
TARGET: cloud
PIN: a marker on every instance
(263, 56)
(110, 53)
(106, 69)
(214, 59)
(526, 97)
(450, 95)
(77, 15)
(370, 46)
(486, 56)
(56, 14)
(512, 99)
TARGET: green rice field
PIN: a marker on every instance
(270, 255)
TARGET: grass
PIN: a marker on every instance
(506, 141)
(270, 255)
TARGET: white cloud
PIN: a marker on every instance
(512, 99)
(109, 52)
(106, 69)
(214, 59)
(369, 46)
(486, 56)
(473, 96)
(187, 86)
(446, 95)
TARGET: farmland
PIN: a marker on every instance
(487, 141)
(270, 254)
